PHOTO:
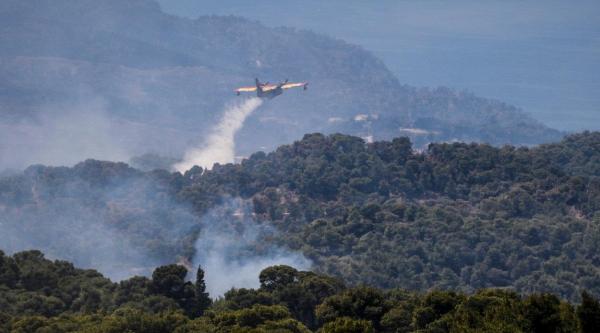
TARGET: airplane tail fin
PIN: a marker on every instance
(282, 83)
(258, 85)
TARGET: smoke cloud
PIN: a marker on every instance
(220, 144)
(232, 251)
(124, 228)
(62, 135)
(128, 224)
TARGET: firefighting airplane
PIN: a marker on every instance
(266, 90)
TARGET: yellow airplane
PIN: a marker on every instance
(266, 90)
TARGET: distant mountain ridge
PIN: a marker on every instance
(155, 73)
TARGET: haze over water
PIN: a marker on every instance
(543, 56)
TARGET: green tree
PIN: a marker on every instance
(29, 324)
(542, 313)
(360, 303)
(258, 317)
(588, 313)
(489, 311)
(170, 281)
(277, 277)
(348, 325)
(203, 300)
(9, 272)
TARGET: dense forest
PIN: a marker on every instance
(39, 295)
(455, 217)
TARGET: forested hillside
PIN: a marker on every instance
(112, 74)
(455, 217)
(39, 295)
(461, 216)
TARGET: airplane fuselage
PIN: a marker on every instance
(269, 94)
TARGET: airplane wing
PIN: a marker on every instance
(293, 85)
(246, 89)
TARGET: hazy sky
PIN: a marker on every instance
(543, 56)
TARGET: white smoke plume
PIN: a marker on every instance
(62, 135)
(220, 144)
(122, 228)
(232, 251)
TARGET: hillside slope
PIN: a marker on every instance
(145, 72)
(463, 216)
